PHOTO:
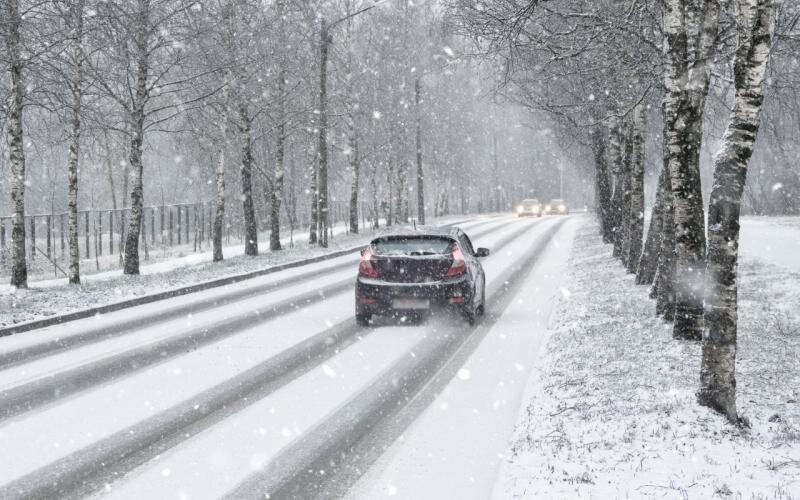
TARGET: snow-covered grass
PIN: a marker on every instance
(55, 296)
(611, 411)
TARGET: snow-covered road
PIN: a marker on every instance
(269, 386)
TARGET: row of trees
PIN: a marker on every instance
(255, 106)
(604, 70)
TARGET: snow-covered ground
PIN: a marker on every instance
(269, 386)
(54, 296)
(772, 240)
(611, 411)
(203, 394)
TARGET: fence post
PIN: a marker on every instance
(210, 223)
(170, 226)
(49, 236)
(33, 237)
(122, 218)
(202, 223)
(178, 226)
(110, 232)
(99, 233)
(61, 235)
(161, 216)
(88, 232)
(153, 226)
(196, 228)
(2, 243)
(187, 223)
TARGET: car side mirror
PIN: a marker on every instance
(482, 252)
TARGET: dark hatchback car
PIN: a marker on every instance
(414, 271)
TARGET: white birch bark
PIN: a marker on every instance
(76, 89)
(19, 269)
(276, 197)
(276, 194)
(690, 36)
(246, 171)
(136, 122)
(755, 26)
(219, 200)
(636, 209)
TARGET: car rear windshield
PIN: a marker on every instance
(413, 245)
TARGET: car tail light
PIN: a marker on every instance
(459, 265)
(365, 267)
(456, 298)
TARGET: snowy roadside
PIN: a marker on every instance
(51, 297)
(611, 411)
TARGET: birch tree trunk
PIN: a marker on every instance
(277, 186)
(76, 88)
(373, 181)
(19, 269)
(602, 187)
(648, 262)
(246, 171)
(219, 204)
(755, 24)
(131, 260)
(633, 249)
(663, 289)
(615, 150)
(664, 283)
(690, 35)
(355, 165)
(623, 235)
(322, 180)
(401, 202)
(390, 191)
(420, 173)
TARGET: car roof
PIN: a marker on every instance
(419, 231)
(529, 199)
(559, 200)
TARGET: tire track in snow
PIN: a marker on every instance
(27, 354)
(326, 461)
(37, 393)
(90, 469)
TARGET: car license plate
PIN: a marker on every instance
(411, 304)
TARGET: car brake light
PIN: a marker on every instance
(365, 267)
(459, 265)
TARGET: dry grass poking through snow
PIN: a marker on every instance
(612, 412)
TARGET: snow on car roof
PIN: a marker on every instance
(400, 231)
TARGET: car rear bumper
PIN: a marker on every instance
(377, 297)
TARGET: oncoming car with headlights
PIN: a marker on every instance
(529, 208)
(557, 206)
(415, 271)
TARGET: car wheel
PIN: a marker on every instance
(363, 319)
(482, 307)
(470, 316)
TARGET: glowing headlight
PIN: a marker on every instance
(561, 208)
(535, 210)
(520, 208)
(547, 208)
